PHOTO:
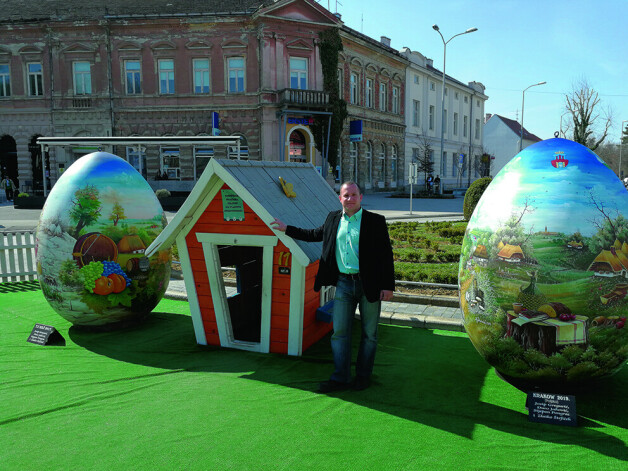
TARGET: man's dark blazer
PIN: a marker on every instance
(376, 259)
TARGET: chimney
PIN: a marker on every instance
(488, 116)
(385, 41)
(429, 62)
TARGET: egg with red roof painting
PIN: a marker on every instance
(93, 230)
(544, 258)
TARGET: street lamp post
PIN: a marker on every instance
(522, 103)
(621, 135)
(442, 103)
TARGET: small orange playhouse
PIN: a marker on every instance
(225, 223)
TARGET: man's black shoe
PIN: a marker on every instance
(360, 383)
(332, 386)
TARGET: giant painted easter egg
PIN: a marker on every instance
(93, 230)
(544, 267)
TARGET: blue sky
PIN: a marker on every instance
(518, 43)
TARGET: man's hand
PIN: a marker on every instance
(385, 295)
(278, 225)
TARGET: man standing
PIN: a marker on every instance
(9, 187)
(357, 259)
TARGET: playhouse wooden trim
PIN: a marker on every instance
(190, 287)
(297, 303)
(210, 243)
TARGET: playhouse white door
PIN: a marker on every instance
(243, 313)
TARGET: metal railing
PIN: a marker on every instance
(296, 96)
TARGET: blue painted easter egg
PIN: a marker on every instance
(543, 273)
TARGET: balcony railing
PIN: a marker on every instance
(81, 102)
(294, 96)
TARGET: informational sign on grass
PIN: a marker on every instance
(45, 335)
(557, 409)
(232, 207)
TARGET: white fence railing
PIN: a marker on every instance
(17, 256)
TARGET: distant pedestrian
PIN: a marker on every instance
(9, 187)
(428, 182)
(437, 184)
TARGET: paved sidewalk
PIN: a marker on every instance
(393, 312)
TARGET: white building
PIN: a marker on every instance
(464, 115)
(501, 140)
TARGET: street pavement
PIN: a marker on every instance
(403, 310)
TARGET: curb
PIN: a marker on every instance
(393, 318)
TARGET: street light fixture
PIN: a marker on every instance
(522, 103)
(442, 103)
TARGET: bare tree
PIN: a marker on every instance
(484, 165)
(584, 103)
(424, 157)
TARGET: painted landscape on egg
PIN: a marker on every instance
(544, 267)
(96, 224)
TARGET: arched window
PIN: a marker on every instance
(368, 156)
(353, 155)
(382, 162)
(298, 152)
(393, 166)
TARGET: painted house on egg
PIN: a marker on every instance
(225, 222)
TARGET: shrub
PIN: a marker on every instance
(23, 195)
(162, 193)
(473, 195)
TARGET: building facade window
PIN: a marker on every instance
(382, 164)
(416, 113)
(169, 162)
(416, 79)
(446, 91)
(235, 72)
(444, 120)
(35, 79)
(82, 75)
(431, 116)
(136, 156)
(465, 125)
(368, 156)
(395, 100)
(201, 75)
(432, 86)
(393, 165)
(466, 99)
(353, 155)
(443, 166)
(298, 73)
(477, 128)
(456, 95)
(133, 76)
(368, 95)
(298, 151)
(455, 124)
(454, 165)
(383, 106)
(353, 98)
(5, 80)
(166, 77)
(202, 156)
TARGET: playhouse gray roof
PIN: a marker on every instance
(314, 200)
(257, 183)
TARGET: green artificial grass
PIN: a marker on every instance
(149, 398)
